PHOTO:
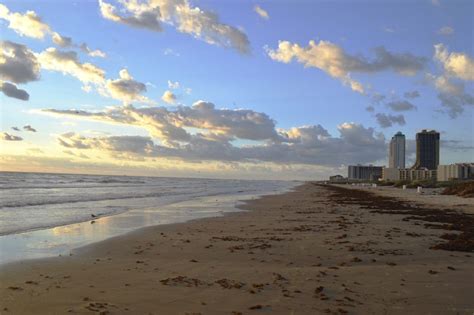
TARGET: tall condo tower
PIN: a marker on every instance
(427, 150)
(396, 157)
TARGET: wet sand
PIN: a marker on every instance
(316, 250)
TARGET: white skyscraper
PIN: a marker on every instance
(396, 158)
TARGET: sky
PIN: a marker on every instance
(231, 89)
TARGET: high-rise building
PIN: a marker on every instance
(427, 150)
(364, 172)
(396, 157)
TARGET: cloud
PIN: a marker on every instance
(173, 85)
(203, 132)
(29, 128)
(18, 64)
(125, 88)
(333, 60)
(401, 106)
(456, 145)
(187, 19)
(8, 137)
(142, 17)
(370, 109)
(67, 42)
(455, 102)
(261, 12)
(386, 121)
(310, 145)
(67, 62)
(457, 67)
(61, 41)
(445, 30)
(11, 90)
(411, 94)
(28, 24)
(16, 128)
(92, 53)
(170, 52)
(455, 64)
(169, 97)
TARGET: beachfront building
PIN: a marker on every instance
(337, 178)
(458, 171)
(396, 156)
(427, 150)
(390, 174)
(411, 174)
(364, 172)
(408, 174)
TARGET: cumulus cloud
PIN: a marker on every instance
(61, 41)
(67, 42)
(386, 121)
(261, 12)
(333, 60)
(68, 62)
(455, 101)
(457, 67)
(303, 145)
(169, 97)
(187, 19)
(29, 128)
(11, 90)
(91, 52)
(215, 134)
(370, 109)
(411, 94)
(8, 137)
(401, 106)
(173, 85)
(28, 24)
(446, 30)
(18, 64)
(455, 64)
(125, 88)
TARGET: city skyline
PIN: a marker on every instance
(231, 90)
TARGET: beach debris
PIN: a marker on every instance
(184, 281)
(13, 288)
(230, 284)
(93, 221)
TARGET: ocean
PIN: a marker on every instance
(43, 215)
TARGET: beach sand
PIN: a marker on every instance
(315, 250)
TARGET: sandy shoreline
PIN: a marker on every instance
(309, 251)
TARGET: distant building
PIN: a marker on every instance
(417, 174)
(364, 172)
(337, 178)
(409, 174)
(396, 156)
(458, 171)
(390, 174)
(427, 150)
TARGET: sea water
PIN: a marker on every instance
(43, 215)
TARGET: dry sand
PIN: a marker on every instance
(311, 251)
